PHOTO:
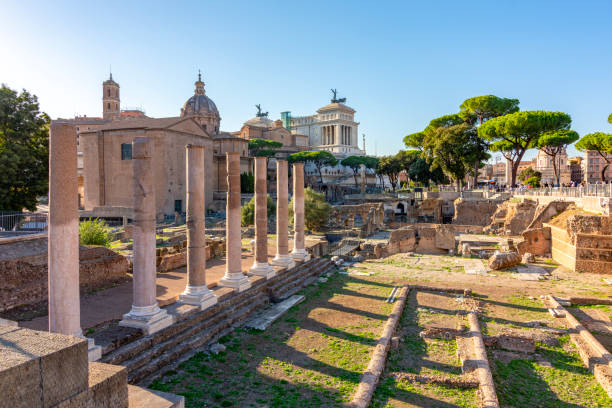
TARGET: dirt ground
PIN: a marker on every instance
(315, 354)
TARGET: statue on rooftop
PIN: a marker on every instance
(335, 97)
(260, 113)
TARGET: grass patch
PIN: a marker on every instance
(568, 384)
(312, 357)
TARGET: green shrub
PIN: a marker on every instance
(247, 183)
(316, 210)
(533, 181)
(95, 232)
(247, 212)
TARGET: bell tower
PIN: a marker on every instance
(110, 99)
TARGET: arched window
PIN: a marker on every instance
(108, 92)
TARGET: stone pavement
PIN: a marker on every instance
(473, 266)
(112, 303)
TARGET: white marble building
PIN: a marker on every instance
(332, 128)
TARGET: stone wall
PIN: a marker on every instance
(23, 270)
(369, 217)
(547, 211)
(474, 212)
(536, 241)
(169, 258)
(594, 253)
(582, 243)
(421, 238)
(519, 216)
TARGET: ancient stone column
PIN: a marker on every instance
(261, 266)
(63, 253)
(145, 313)
(299, 252)
(233, 278)
(196, 292)
(362, 171)
(282, 257)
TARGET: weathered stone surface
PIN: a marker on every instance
(107, 388)
(40, 366)
(536, 241)
(445, 237)
(217, 348)
(504, 260)
(474, 212)
(144, 398)
(263, 321)
(528, 257)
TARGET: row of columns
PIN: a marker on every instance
(145, 314)
(345, 132)
(329, 135)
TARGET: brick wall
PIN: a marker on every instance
(23, 270)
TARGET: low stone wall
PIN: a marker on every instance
(24, 274)
(474, 212)
(170, 258)
(594, 253)
(581, 252)
(422, 238)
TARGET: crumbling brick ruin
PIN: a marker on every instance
(474, 212)
(23, 270)
(369, 217)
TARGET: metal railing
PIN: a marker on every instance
(18, 223)
(589, 190)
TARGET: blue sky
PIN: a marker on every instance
(399, 64)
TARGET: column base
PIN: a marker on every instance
(239, 284)
(149, 319)
(286, 261)
(198, 296)
(300, 255)
(262, 269)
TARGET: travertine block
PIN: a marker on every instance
(50, 366)
(107, 388)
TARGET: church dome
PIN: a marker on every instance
(199, 103)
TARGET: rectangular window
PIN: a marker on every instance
(178, 206)
(126, 151)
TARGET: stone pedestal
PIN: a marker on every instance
(282, 257)
(299, 252)
(145, 313)
(63, 253)
(233, 278)
(196, 292)
(261, 266)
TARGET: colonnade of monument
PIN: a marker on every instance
(145, 314)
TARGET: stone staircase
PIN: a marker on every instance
(148, 357)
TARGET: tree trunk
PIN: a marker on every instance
(603, 172)
(355, 177)
(475, 179)
(555, 170)
(320, 175)
(458, 181)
